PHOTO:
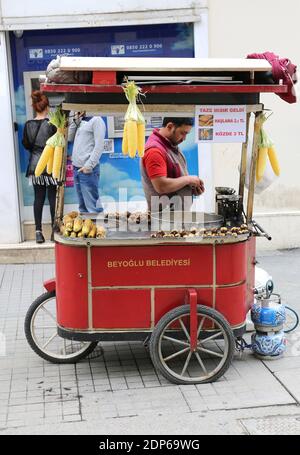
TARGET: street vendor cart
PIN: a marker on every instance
(188, 295)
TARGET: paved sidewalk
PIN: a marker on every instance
(120, 392)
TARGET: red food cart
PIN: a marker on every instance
(188, 296)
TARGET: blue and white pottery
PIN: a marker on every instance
(268, 313)
(268, 344)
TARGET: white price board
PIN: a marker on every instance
(220, 124)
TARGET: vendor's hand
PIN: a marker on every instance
(196, 191)
(85, 170)
(196, 184)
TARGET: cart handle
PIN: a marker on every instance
(192, 298)
(260, 232)
(50, 285)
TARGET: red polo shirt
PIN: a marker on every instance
(155, 163)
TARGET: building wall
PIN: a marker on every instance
(237, 28)
(30, 23)
(9, 203)
(34, 14)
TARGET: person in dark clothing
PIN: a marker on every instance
(36, 133)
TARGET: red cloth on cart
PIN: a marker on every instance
(282, 69)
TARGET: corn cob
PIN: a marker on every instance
(73, 234)
(274, 160)
(69, 226)
(68, 223)
(134, 127)
(50, 162)
(66, 233)
(93, 231)
(256, 170)
(58, 153)
(44, 158)
(73, 214)
(101, 232)
(132, 137)
(141, 139)
(261, 164)
(125, 140)
(67, 219)
(80, 234)
(78, 223)
(87, 225)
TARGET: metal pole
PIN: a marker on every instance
(253, 168)
(243, 166)
(60, 193)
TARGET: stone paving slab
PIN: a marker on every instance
(273, 426)
(290, 379)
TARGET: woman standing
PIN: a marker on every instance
(36, 133)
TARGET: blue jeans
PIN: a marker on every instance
(87, 190)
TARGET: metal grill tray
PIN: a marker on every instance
(186, 220)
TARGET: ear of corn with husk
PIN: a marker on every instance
(78, 223)
(93, 231)
(265, 150)
(134, 128)
(75, 227)
(101, 232)
(46, 155)
(52, 154)
(87, 226)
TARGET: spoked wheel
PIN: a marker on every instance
(41, 333)
(170, 346)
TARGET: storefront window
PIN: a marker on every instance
(31, 54)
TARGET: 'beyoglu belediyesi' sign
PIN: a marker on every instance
(149, 263)
(220, 124)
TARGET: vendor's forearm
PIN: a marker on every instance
(165, 185)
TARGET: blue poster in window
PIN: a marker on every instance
(150, 48)
(35, 49)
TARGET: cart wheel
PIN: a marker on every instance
(170, 346)
(41, 333)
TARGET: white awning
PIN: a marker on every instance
(35, 14)
(167, 64)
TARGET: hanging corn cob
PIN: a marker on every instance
(274, 160)
(46, 155)
(265, 149)
(50, 161)
(53, 151)
(125, 140)
(134, 127)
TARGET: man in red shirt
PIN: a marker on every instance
(164, 172)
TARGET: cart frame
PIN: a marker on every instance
(191, 324)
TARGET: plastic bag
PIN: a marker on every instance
(58, 76)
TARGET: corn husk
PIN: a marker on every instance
(266, 150)
(58, 119)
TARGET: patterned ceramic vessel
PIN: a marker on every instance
(268, 344)
(268, 313)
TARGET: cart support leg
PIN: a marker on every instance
(192, 298)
